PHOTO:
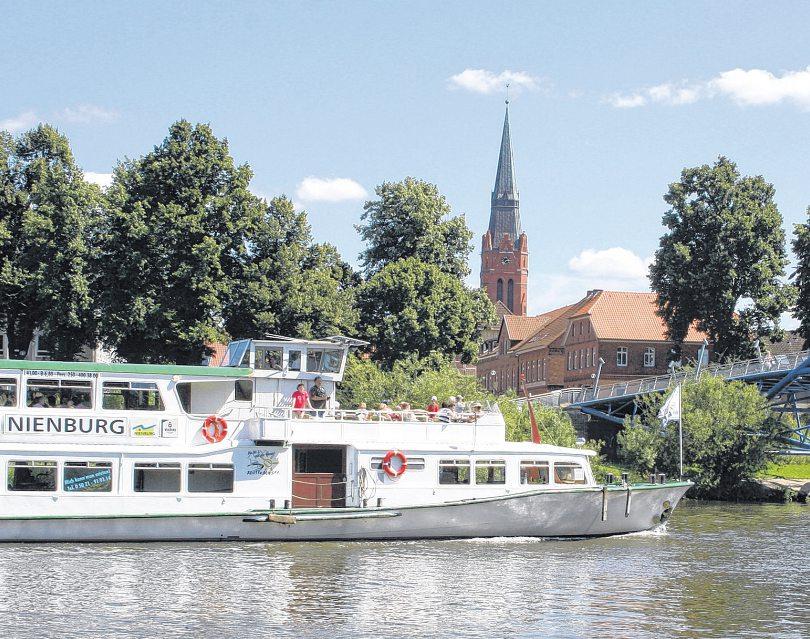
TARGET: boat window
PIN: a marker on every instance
(32, 475)
(59, 393)
(184, 395)
(414, 463)
(294, 360)
(131, 396)
(314, 358)
(490, 471)
(454, 471)
(243, 390)
(210, 478)
(324, 361)
(8, 392)
(161, 477)
(87, 477)
(568, 473)
(533, 472)
(319, 460)
(268, 358)
(235, 355)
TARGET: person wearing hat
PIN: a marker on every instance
(433, 407)
(476, 412)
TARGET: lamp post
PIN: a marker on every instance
(598, 375)
(492, 376)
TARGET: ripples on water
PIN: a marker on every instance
(716, 571)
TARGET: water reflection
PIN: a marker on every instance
(719, 570)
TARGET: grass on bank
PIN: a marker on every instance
(794, 467)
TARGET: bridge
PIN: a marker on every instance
(783, 379)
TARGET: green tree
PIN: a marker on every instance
(173, 245)
(48, 217)
(288, 285)
(412, 219)
(801, 277)
(412, 308)
(721, 260)
(728, 436)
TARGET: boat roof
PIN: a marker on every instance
(133, 369)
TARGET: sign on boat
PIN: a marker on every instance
(136, 452)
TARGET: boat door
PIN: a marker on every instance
(319, 477)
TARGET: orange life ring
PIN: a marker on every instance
(214, 429)
(389, 469)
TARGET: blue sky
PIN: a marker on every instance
(609, 103)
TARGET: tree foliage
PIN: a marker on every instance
(287, 284)
(172, 245)
(727, 437)
(411, 219)
(801, 278)
(412, 308)
(721, 260)
(47, 219)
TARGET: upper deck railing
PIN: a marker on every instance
(363, 415)
(760, 366)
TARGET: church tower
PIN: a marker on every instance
(504, 248)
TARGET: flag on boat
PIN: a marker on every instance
(671, 410)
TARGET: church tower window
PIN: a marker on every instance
(510, 295)
(500, 290)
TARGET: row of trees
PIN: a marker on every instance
(722, 262)
(178, 253)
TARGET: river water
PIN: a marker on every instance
(717, 570)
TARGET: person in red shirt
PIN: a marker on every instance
(433, 408)
(300, 401)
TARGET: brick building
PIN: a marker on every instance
(562, 348)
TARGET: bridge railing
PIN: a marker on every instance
(734, 370)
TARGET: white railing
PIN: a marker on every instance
(734, 370)
(362, 415)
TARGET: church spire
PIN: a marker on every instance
(505, 212)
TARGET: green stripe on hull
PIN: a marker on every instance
(132, 369)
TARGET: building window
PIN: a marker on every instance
(488, 471)
(59, 393)
(570, 358)
(500, 290)
(157, 478)
(87, 477)
(533, 472)
(32, 475)
(132, 396)
(454, 471)
(510, 295)
(210, 478)
(649, 357)
(621, 356)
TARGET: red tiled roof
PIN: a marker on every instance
(519, 327)
(619, 315)
(555, 326)
(217, 354)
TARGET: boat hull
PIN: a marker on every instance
(579, 512)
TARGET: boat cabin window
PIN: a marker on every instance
(131, 396)
(318, 460)
(235, 355)
(242, 390)
(163, 477)
(87, 477)
(533, 472)
(568, 473)
(8, 392)
(490, 471)
(324, 361)
(294, 360)
(454, 471)
(59, 393)
(210, 478)
(32, 475)
(414, 463)
(268, 358)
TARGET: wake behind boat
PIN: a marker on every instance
(132, 452)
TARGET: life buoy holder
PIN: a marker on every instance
(214, 429)
(392, 472)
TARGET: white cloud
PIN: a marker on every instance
(102, 179)
(20, 122)
(86, 114)
(484, 81)
(612, 263)
(315, 189)
(746, 87)
(757, 86)
(613, 269)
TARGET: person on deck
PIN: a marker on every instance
(362, 412)
(318, 396)
(300, 400)
(432, 407)
(446, 413)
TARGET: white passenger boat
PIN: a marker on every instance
(103, 452)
